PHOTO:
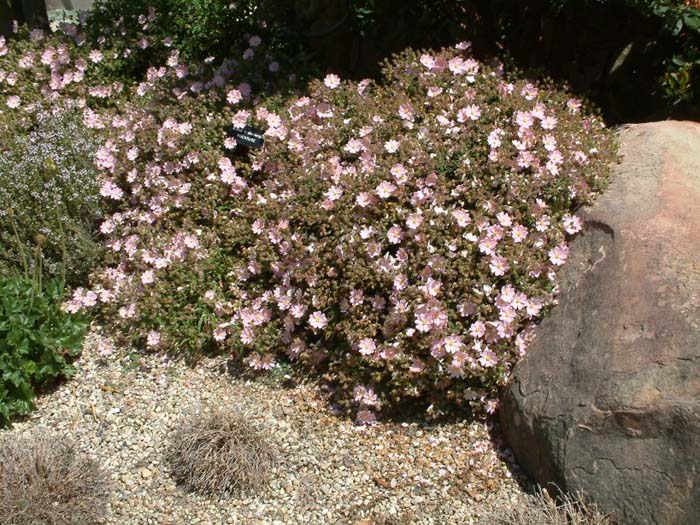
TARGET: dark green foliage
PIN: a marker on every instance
(637, 59)
(198, 29)
(37, 342)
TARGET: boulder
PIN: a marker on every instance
(607, 399)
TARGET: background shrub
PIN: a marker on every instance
(46, 480)
(37, 342)
(49, 196)
(638, 59)
(219, 452)
(198, 29)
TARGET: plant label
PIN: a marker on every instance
(249, 137)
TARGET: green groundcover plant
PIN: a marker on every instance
(38, 341)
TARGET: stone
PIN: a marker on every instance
(607, 399)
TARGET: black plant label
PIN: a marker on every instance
(249, 137)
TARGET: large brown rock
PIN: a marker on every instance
(607, 400)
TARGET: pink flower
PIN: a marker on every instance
(356, 297)
(542, 223)
(111, 190)
(105, 160)
(573, 105)
(191, 241)
(354, 146)
(504, 219)
(234, 97)
(462, 217)
(95, 56)
(240, 119)
(494, 138)
(13, 102)
(261, 362)
(400, 173)
(572, 224)
(498, 265)
(400, 282)
(559, 254)
(391, 146)
(148, 277)
(367, 346)
(406, 112)
(385, 190)
(470, 112)
(519, 233)
(362, 85)
(331, 81)
(488, 358)
(414, 220)
(432, 287)
(427, 61)
(549, 123)
(477, 330)
(524, 119)
(529, 92)
(365, 396)
(491, 406)
(395, 235)
(318, 320)
(487, 245)
(452, 344)
(153, 338)
(363, 200)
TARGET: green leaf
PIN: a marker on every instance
(678, 27)
(692, 21)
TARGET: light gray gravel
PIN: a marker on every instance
(121, 408)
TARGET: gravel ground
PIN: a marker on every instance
(121, 409)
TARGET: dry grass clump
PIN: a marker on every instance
(46, 480)
(219, 452)
(543, 509)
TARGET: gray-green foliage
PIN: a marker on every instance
(49, 197)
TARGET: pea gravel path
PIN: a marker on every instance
(121, 408)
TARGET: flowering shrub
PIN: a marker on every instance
(408, 235)
(402, 238)
(160, 163)
(79, 68)
(49, 195)
(39, 68)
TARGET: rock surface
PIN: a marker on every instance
(607, 400)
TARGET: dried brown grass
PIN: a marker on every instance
(46, 480)
(219, 452)
(542, 509)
